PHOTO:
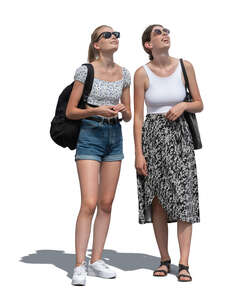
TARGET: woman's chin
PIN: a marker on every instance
(113, 49)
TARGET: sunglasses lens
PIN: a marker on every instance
(116, 34)
(166, 30)
(157, 31)
(107, 35)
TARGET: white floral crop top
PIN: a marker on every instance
(104, 92)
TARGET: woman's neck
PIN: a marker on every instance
(161, 59)
(105, 61)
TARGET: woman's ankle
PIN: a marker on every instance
(94, 260)
(183, 261)
(165, 257)
(79, 263)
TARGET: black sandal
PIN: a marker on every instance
(183, 267)
(167, 264)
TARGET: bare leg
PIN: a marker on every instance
(160, 227)
(88, 171)
(184, 232)
(109, 176)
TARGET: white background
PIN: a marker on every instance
(42, 44)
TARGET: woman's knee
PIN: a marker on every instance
(105, 206)
(88, 209)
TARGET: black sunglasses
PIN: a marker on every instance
(158, 31)
(108, 34)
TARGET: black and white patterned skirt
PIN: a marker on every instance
(172, 172)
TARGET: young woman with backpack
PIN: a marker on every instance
(99, 149)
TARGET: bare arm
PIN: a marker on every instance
(125, 100)
(197, 104)
(72, 111)
(139, 90)
(138, 109)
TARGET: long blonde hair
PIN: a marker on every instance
(92, 52)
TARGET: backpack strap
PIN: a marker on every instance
(89, 81)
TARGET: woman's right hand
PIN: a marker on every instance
(106, 111)
(141, 165)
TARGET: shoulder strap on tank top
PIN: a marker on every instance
(148, 71)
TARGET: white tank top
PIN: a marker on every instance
(163, 92)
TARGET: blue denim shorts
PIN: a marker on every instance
(99, 141)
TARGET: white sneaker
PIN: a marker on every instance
(100, 269)
(79, 275)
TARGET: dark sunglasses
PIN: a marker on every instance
(159, 32)
(108, 34)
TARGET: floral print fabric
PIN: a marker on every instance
(104, 92)
(172, 172)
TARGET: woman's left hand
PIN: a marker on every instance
(176, 111)
(120, 108)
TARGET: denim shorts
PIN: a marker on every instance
(99, 141)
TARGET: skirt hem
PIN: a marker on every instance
(173, 221)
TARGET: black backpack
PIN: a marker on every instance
(64, 131)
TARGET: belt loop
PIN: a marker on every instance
(102, 120)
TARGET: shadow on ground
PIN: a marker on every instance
(122, 260)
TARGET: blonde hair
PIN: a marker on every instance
(92, 52)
